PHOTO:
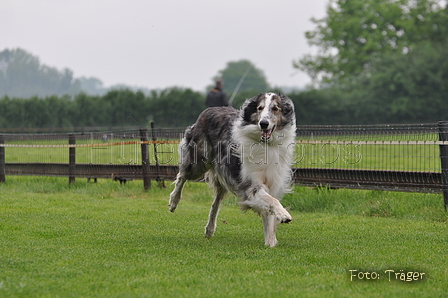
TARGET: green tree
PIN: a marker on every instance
(89, 110)
(11, 112)
(175, 107)
(405, 88)
(325, 106)
(92, 86)
(126, 107)
(356, 33)
(254, 78)
(22, 75)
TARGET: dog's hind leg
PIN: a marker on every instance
(177, 192)
(192, 167)
(220, 193)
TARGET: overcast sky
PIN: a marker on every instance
(162, 43)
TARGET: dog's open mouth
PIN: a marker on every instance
(266, 134)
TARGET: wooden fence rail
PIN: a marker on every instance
(336, 178)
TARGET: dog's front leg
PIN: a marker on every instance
(270, 224)
(270, 209)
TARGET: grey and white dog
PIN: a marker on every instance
(247, 152)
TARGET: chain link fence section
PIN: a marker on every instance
(389, 157)
(384, 157)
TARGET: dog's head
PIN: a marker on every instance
(269, 112)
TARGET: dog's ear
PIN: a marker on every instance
(287, 105)
(249, 108)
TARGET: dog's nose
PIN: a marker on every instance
(264, 124)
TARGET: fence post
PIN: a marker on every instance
(443, 136)
(145, 159)
(71, 158)
(160, 181)
(2, 160)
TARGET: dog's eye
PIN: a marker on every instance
(260, 108)
(275, 109)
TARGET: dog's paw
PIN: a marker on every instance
(174, 200)
(284, 216)
(271, 241)
(286, 220)
(210, 230)
(172, 205)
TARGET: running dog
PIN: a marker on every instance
(248, 152)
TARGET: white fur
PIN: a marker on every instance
(267, 164)
(266, 110)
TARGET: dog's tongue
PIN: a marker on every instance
(266, 134)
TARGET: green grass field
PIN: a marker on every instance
(107, 240)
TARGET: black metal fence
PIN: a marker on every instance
(410, 157)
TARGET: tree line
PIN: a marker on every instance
(173, 107)
(180, 107)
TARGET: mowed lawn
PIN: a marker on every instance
(107, 240)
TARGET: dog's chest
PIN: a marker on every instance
(266, 164)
